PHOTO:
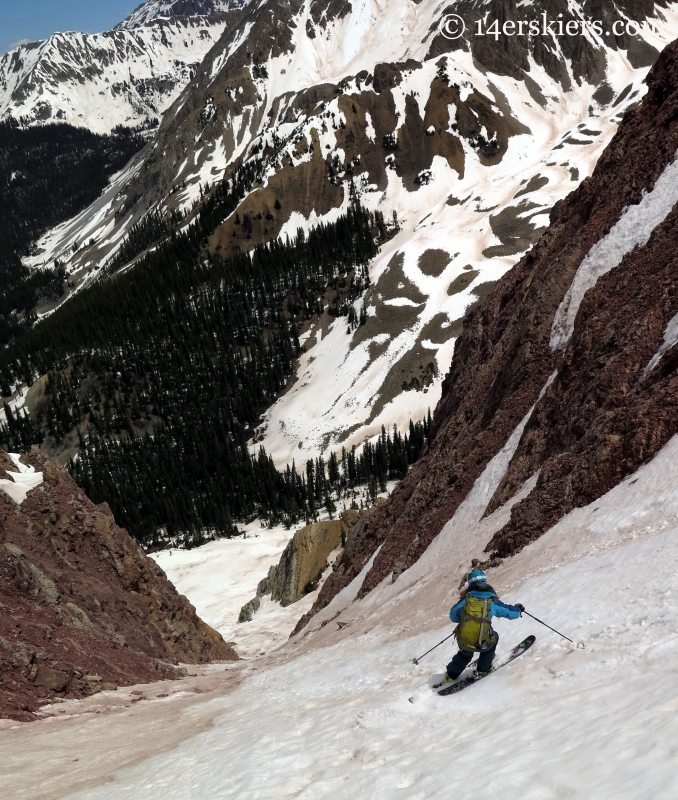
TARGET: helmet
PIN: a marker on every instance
(477, 576)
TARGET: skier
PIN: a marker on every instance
(474, 612)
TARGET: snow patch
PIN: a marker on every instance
(670, 338)
(633, 229)
(22, 482)
(369, 128)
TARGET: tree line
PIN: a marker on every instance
(48, 173)
(190, 483)
(165, 370)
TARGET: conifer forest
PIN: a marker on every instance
(164, 371)
(48, 174)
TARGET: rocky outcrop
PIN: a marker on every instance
(511, 55)
(303, 560)
(83, 609)
(358, 524)
(301, 564)
(612, 403)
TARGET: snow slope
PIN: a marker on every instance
(220, 577)
(150, 10)
(346, 711)
(340, 384)
(348, 388)
(98, 81)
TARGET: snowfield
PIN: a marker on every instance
(220, 577)
(348, 390)
(334, 403)
(345, 711)
(152, 10)
(341, 398)
(131, 76)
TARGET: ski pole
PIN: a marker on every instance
(547, 626)
(416, 660)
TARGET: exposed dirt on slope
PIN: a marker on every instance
(83, 743)
(302, 188)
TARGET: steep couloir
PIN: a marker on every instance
(580, 335)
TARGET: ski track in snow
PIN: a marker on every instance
(333, 716)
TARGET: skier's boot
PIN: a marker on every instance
(446, 681)
(480, 674)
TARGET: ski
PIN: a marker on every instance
(518, 650)
(472, 666)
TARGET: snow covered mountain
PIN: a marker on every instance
(554, 459)
(567, 373)
(121, 77)
(469, 142)
(152, 10)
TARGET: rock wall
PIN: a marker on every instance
(300, 565)
(603, 415)
(82, 608)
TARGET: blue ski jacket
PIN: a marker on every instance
(497, 608)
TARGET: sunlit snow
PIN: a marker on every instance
(22, 481)
(345, 711)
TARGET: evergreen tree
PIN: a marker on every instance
(164, 371)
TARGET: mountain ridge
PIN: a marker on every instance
(83, 607)
(589, 412)
(120, 77)
(152, 10)
(463, 164)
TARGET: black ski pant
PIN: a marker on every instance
(463, 659)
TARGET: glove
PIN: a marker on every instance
(521, 607)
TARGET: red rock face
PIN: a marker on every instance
(601, 418)
(81, 607)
